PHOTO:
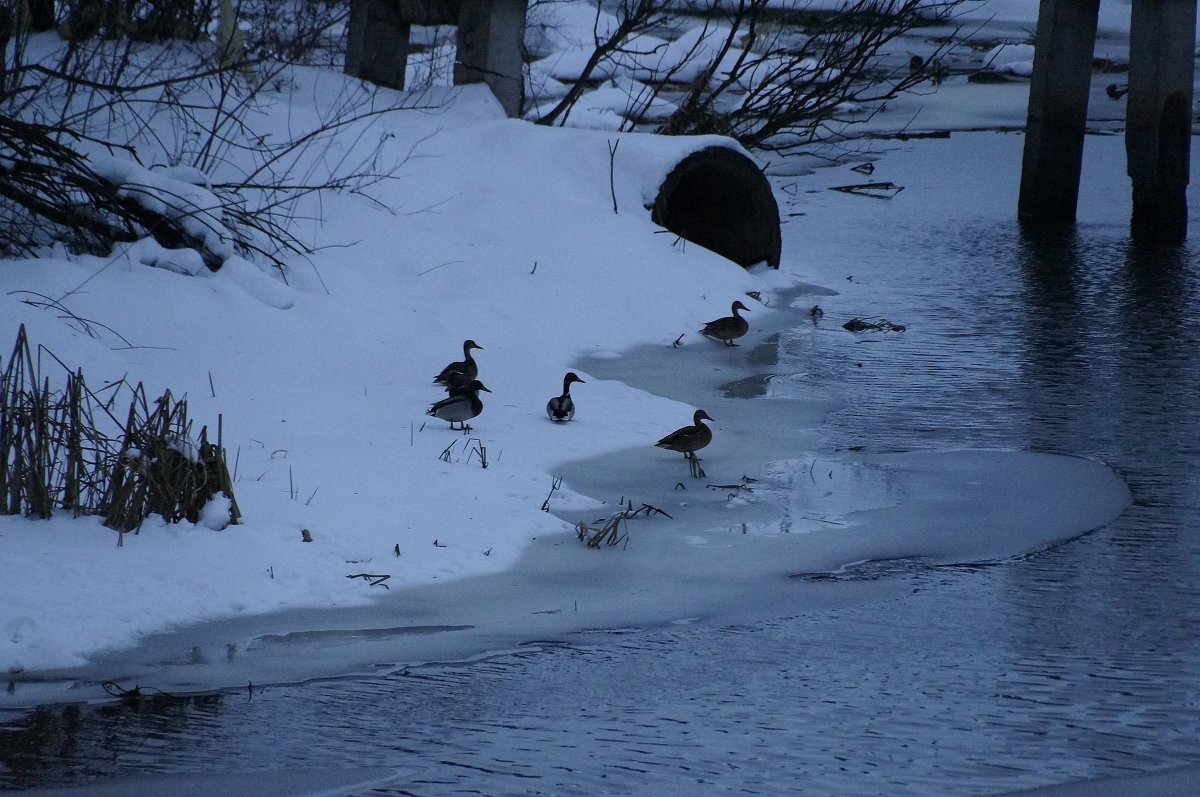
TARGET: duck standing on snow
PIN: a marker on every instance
(459, 374)
(562, 408)
(727, 328)
(461, 405)
(690, 439)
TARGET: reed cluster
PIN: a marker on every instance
(65, 450)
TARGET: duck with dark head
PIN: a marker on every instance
(458, 374)
(688, 440)
(728, 327)
(562, 408)
(461, 405)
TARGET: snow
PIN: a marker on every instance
(322, 385)
(1013, 59)
(503, 232)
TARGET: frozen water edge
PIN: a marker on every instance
(724, 555)
(324, 782)
(1175, 782)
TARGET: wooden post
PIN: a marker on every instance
(1058, 98)
(490, 38)
(1162, 35)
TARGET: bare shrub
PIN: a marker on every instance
(189, 111)
(773, 78)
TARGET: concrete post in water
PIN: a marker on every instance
(491, 34)
(1058, 98)
(377, 42)
(490, 38)
(1162, 36)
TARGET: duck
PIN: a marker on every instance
(690, 439)
(727, 328)
(562, 408)
(461, 405)
(459, 374)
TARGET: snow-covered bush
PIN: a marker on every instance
(775, 74)
(111, 135)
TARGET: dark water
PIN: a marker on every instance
(1078, 661)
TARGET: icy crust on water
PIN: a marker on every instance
(699, 565)
(819, 494)
(940, 507)
(818, 515)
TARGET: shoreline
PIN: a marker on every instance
(440, 622)
(668, 571)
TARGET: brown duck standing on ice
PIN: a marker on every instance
(727, 328)
(459, 374)
(688, 440)
(562, 408)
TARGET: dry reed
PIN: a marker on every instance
(65, 450)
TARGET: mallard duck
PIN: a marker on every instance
(690, 439)
(562, 408)
(457, 375)
(727, 328)
(461, 405)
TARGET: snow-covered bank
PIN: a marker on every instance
(497, 231)
(504, 233)
(723, 555)
(328, 395)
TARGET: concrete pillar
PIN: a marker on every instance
(41, 15)
(490, 38)
(377, 42)
(1058, 98)
(1162, 36)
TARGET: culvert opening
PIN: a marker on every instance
(717, 198)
